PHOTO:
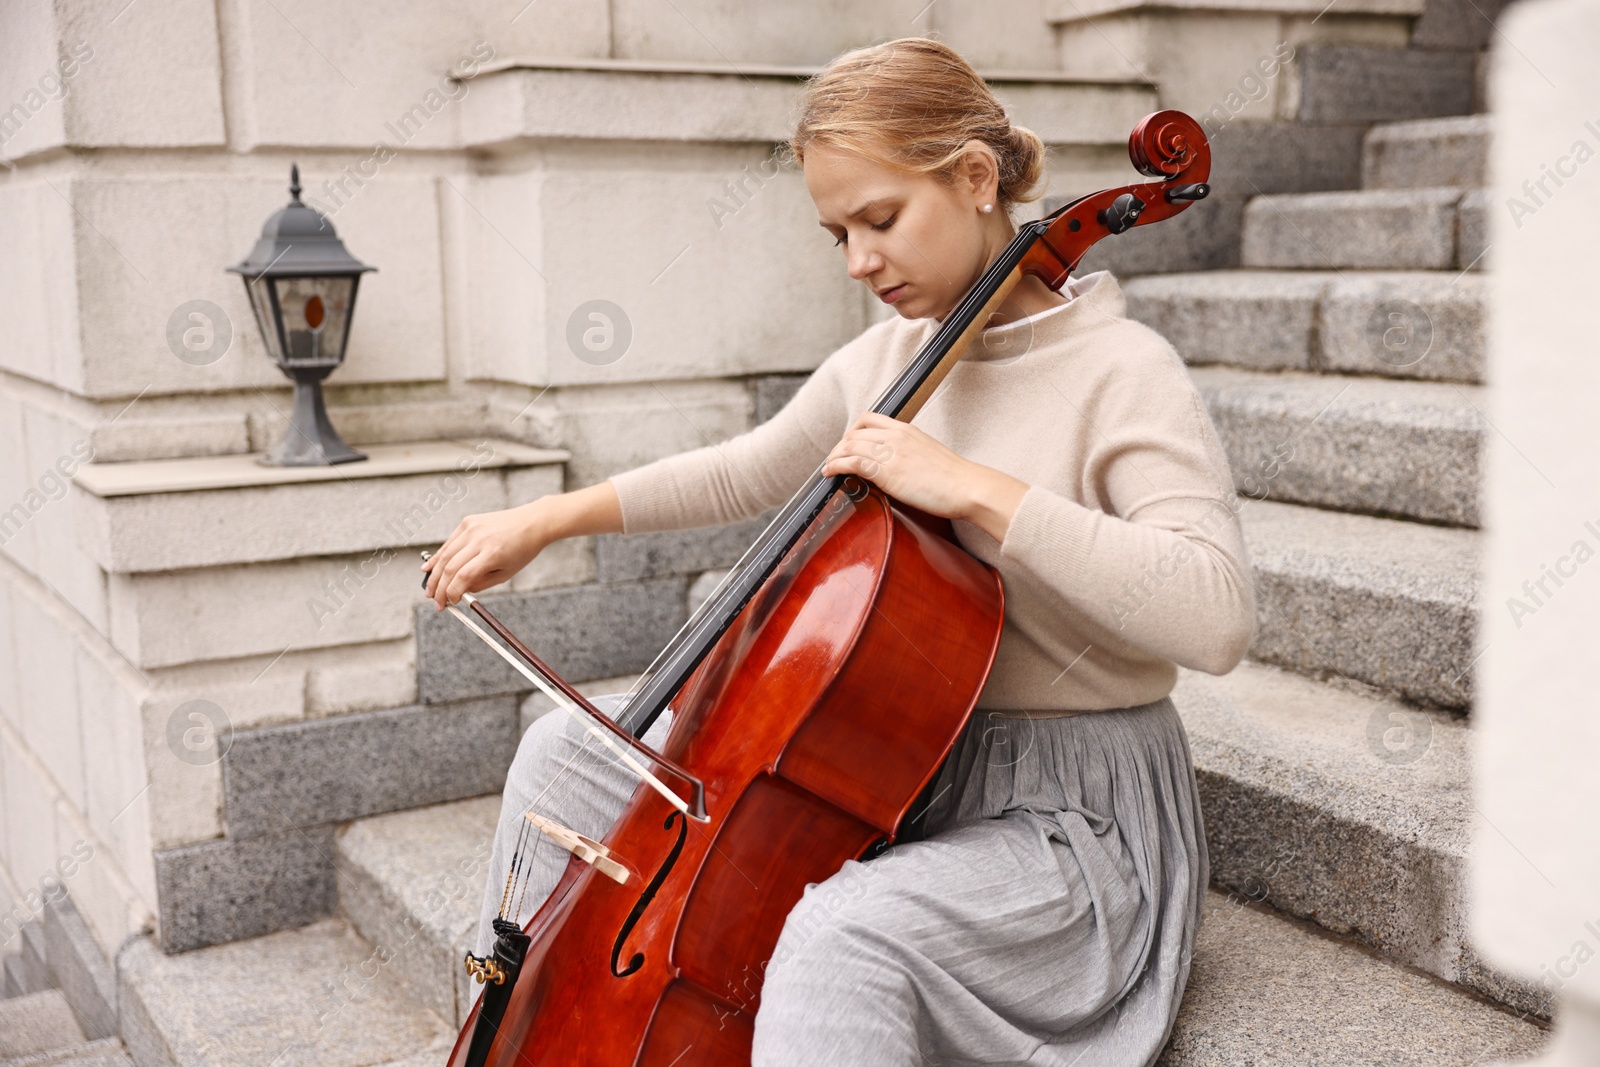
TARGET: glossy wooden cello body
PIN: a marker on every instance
(815, 694)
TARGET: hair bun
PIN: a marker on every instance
(1022, 165)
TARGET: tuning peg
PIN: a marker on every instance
(1122, 214)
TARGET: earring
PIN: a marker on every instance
(988, 208)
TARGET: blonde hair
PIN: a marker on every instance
(914, 103)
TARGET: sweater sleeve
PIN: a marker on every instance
(1163, 564)
(745, 475)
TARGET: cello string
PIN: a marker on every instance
(511, 871)
(519, 871)
(712, 602)
(558, 779)
(522, 856)
(520, 874)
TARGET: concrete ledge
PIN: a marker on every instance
(1067, 11)
(1376, 229)
(143, 477)
(627, 100)
(233, 510)
(1427, 153)
(1264, 320)
(1398, 324)
(1392, 604)
(280, 778)
(1403, 324)
(583, 632)
(225, 890)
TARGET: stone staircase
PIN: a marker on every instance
(1334, 763)
(38, 1026)
(1343, 364)
(39, 1030)
(1337, 335)
(384, 985)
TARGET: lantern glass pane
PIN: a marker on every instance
(315, 313)
(261, 304)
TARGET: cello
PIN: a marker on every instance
(815, 694)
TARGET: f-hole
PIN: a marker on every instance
(646, 897)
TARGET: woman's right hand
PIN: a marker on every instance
(485, 550)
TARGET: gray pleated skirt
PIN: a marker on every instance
(1040, 909)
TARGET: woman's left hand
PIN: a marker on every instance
(914, 468)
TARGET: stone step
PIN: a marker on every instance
(106, 1052)
(1360, 84)
(1367, 229)
(27, 971)
(19, 978)
(319, 995)
(1467, 25)
(1338, 804)
(1388, 603)
(1427, 153)
(1400, 324)
(35, 1024)
(1267, 991)
(415, 878)
(411, 883)
(1372, 445)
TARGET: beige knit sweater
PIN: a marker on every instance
(1125, 556)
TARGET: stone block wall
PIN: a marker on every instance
(196, 685)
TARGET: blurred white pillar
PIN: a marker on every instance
(1536, 860)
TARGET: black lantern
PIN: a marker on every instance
(301, 282)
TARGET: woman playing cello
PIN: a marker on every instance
(1044, 905)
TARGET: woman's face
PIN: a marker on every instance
(917, 242)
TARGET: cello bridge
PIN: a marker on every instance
(586, 849)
